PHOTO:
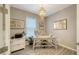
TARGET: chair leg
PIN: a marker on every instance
(33, 47)
(56, 48)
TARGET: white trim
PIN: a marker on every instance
(67, 47)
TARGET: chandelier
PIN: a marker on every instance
(42, 12)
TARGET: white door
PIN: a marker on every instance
(5, 27)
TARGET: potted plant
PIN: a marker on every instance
(31, 40)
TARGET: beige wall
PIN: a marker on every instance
(64, 37)
(78, 28)
(78, 23)
(1, 27)
(20, 15)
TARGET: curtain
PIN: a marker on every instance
(30, 26)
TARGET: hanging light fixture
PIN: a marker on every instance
(42, 12)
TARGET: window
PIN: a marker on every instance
(30, 26)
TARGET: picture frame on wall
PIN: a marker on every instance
(60, 24)
(16, 24)
(41, 24)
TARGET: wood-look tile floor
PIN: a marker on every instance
(44, 51)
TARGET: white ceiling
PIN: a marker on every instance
(34, 8)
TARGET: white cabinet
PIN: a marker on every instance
(16, 44)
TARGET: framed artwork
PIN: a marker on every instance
(41, 24)
(60, 24)
(16, 24)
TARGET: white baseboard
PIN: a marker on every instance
(68, 47)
